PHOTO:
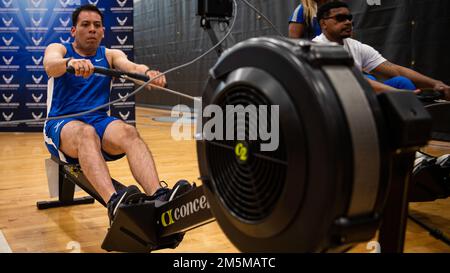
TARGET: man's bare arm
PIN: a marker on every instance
(54, 61)
(420, 80)
(386, 71)
(389, 70)
(296, 30)
(120, 61)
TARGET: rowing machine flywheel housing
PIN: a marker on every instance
(324, 186)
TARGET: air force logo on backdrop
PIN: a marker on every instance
(7, 117)
(36, 25)
(123, 21)
(35, 6)
(8, 6)
(8, 99)
(64, 23)
(7, 22)
(36, 3)
(36, 98)
(36, 64)
(37, 117)
(123, 98)
(37, 83)
(122, 41)
(36, 44)
(37, 61)
(6, 3)
(8, 42)
(8, 80)
(35, 22)
(122, 7)
(122, 3)
(66, 41)
(8, 66)
(8, 83)
(8, 61)
(92, 2)
(37, 80)
(65, 3)
(37, 41)
(123, 84)
(122, 25)
(125, 116)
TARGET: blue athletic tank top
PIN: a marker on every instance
(71, 94)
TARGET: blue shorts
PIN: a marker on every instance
(52, 134)
(399, 82)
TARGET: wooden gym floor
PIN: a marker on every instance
(23, 228)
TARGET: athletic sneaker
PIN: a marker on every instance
(165, 194)
(119, 198)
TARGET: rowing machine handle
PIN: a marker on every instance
(112, 73)
(429, 95)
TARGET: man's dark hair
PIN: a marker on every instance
(89, 7)
(324, 10)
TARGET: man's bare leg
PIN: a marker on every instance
(120, 138)
(79, 140)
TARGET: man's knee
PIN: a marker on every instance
(76, 135)
(87, 133)
(401, 82)
(128, 133)
(119, 137)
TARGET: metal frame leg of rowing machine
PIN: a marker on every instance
(68, 176)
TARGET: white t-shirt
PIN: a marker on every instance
(366, 57)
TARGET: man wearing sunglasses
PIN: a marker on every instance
(336, 23)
